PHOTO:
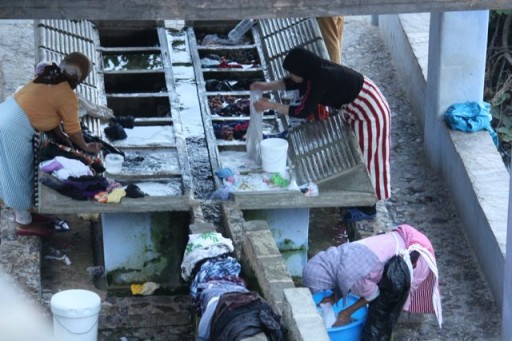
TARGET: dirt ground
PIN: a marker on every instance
(77, 245)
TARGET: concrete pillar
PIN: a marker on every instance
(375, 19)
(506, 322)
(456, 70)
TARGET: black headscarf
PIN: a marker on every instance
(54, 74)
(304, 63)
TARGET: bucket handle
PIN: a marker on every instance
(71, 332)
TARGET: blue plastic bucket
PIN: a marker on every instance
(348, 332)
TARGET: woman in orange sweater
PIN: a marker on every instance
(45, 104)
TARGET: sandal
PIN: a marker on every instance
(359, 213)
(60, 225)
(31, 230)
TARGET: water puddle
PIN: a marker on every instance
(152, 136)
(239, 161)
(132, 61)
(190, 109)
(150, 162)
(161, 188)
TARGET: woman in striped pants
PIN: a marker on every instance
(363, 105)
(43, 105)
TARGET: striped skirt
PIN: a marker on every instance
(370, 118)
(16, 156)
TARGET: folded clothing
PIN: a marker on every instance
(63, 168)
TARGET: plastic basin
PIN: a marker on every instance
(351, 331)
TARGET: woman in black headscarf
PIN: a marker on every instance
(44, 104)
(364, 107)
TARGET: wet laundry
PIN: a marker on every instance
(134, 191)
(202, 246)
(215, 284)
(215, 288)
(228, 85)
(232, 130)
(241, 315)
(215, 268)
(115, 131)
(127, 122)
(107, 148)
(229, 106)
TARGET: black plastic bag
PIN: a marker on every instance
(383, 312)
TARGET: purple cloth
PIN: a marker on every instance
(339, 267)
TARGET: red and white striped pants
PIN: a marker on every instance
(370, 117)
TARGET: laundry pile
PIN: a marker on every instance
(215, 61)
(228, 310)
(237, 130)
(216, 40)
(228, 85)
(229, 106)
(77, 175)
(230, 130)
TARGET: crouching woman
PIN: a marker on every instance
(390, 272)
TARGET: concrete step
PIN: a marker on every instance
(150, 317)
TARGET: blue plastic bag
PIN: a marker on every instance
(471, 117)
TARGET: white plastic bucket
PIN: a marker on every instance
(75, 315)
(274, 154)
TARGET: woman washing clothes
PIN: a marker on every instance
(42, 105)
(364, 108)
(391, 272)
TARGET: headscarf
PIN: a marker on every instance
(304, 63)
(339, 268)
(74, 68)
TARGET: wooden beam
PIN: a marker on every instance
(226, 9)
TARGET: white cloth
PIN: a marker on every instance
(201, 246)
(62, 168)
(255, 130)
(203, 329)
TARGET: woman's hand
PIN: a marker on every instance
(93, 147)
(328, 299)
(262, 86)
(343, 319)
(263, 104)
